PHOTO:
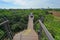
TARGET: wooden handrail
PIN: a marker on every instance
(3, 22)
(49, 36)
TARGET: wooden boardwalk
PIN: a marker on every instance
(29, 33)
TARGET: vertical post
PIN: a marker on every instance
(40, 30)
(40, 33)
(42, 19)
(10, 33)
(7, 28)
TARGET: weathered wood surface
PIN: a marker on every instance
(28, 34)
(3, 22)
(49, 36)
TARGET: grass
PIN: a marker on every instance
(53, 25)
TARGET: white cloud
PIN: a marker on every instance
(28, 3)
(25, 2)
(7, 0)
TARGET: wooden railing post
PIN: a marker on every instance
(7, 28)
(42, 20)
(40, 33)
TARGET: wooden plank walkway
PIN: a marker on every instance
(28, 34)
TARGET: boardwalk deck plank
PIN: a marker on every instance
(28, 34)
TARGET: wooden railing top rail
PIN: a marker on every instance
(49, 36)
(4, 22)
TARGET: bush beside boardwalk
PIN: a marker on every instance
(19, 18)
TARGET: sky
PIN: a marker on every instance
(26, 4)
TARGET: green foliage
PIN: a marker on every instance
(37, 26)
(1, 33)
(53, 26)
(18, 19)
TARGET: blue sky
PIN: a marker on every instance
(29, 4)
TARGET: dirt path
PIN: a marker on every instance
(28, 34)
(55, 13)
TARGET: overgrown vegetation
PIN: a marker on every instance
(18, 19)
